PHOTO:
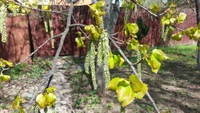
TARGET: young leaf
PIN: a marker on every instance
(196, 35)
(181, 17)
(125, 95)
(159, 54)
(155, 8)
(139, 88)
(100, 4)
(177, 36)
(133, 44)
(16, 103)
(123, 92)
(113, 84)
(142, 92)
(128, 99)
(79, 41)
(6, 78)
(154, 64)
(51, 89)
(136, 84)
(118, 60)
(111, 63)
(4, 63)
(50, 98)
(143, 49)
(41, 100)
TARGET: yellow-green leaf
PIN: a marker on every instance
(143, 49)
(154, 64)
(142, 92)
(123, 92)
(197, 35)
(6, 78)
(16, 103)
(123, 82)
(113, 84)
(118, 60)
(133, 44)
(111, 63)
(128, 99)
(155, 8)
(79, 41)
(159, 54)
(172, 20)
(4, 63)
(50, 98)
(41, 100)
(177, 36)
(45, 7)
(100, 4)
(51, 89)
(136, 84)
(181, 17)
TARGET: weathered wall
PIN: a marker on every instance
(17, 46)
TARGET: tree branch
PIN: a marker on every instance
(52, 71)
(134, 71)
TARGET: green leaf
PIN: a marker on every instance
(136, 84)
(50, 98)
(41, 100)
(113, 84)
(181, 17)
(159, 54)
(154, 64)
(51, 89)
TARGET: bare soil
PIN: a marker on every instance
(175, 89)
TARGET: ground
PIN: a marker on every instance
(175, 89)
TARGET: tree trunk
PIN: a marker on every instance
(110, 19)
(198, 42)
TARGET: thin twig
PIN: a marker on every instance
(37, 9)
(146, 9)
(51, 72)
(61, 42)
(81, 28)
(134, 71)
(39, 48)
